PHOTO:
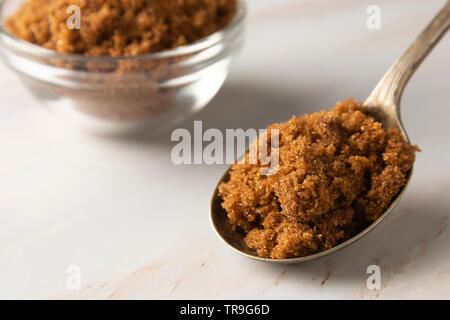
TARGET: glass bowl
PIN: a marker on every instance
(124, 94)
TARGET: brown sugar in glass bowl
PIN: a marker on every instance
(142, 64)
(339, 171)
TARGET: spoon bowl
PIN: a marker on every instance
(384, 105)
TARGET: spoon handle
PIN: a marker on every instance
(388, 92)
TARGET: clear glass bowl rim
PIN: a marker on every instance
(194, 47)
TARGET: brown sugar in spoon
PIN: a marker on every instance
(384, 105)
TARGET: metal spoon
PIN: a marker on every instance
(384, 104)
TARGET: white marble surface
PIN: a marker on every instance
(138, 226)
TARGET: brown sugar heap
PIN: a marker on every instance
(339, 170)
(119, 27)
